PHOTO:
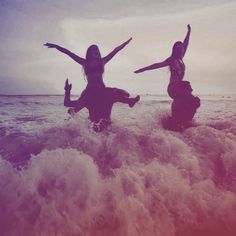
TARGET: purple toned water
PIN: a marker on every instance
(58, 177)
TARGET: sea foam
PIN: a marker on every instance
(133, 179)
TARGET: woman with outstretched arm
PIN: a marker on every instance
(93, 66)
(176, 65)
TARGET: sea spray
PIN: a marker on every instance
(134, 179)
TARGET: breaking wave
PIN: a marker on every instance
(134, 179)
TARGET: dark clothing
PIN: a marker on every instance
(177, 90)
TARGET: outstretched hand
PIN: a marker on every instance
(189, 27)
(67, 86)
(128, 40)
(138, 71)
(50, 45)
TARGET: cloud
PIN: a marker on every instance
(155, 26)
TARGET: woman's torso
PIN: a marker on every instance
(94, 73)
(177, 70)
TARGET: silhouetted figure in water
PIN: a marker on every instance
(99, 103)
(96, 90)
(185, 104)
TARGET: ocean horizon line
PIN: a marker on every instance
(141, 94)
(144, 94)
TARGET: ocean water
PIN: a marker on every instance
(58, 177)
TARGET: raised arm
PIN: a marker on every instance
(186, 40)
(76, 105)
(67, 101)
(115, 51)
(154, 66)
(76, 58)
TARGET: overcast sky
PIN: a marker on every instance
(26, 67)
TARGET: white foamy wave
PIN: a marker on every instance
(134, 179)
(62, 192)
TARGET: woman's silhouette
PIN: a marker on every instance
(97, 98)
(176, 65)
(185, 104)
(93, 66)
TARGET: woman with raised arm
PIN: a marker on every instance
(184, 106)
(177, 68)
(93, 66)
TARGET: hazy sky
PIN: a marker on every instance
(26, 67)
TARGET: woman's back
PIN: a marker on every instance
(177, 70)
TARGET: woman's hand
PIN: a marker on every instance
(189, 27)
(50, 45)
(67, 86)
(128, 40)
(139, 71)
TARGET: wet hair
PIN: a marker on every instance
(175, 49)
(93, 57)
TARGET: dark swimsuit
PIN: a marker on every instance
(177, 86)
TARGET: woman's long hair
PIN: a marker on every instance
(93, 60)
(177, 48)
